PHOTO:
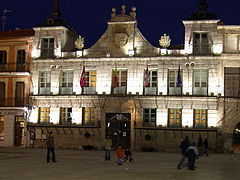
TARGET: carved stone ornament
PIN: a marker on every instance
(164, 41)
(79, 43)
(121, 39)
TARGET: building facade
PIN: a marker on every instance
(15, 61)
(145, 97)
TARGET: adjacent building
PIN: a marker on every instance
(15, 62)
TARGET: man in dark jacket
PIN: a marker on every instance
(192, 154)
(184, 145)
(50, 147)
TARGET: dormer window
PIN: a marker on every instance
(200, 44)
(47, 47)
(231, 43)
(50, 21)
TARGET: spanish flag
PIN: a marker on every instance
(83, 78)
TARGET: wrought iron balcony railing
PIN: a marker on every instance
(15, 67)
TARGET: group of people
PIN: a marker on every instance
(188, 150)
(191, 152)
(122, 155)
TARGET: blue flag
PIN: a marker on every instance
(179, 78)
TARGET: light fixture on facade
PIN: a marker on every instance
(58, 67)
(131, 52)
(52, 66)
(108, 54)
(79, 53)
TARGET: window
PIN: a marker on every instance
(19, 94)
(88, 115)
(152, 89)
(3, 57)
(66, 82)
(200, 118)
(3, 61)
(200, 43)
(2, 93)
(121, 83)
(232, 81)
(65, 115)
(44, 82)
(21, 60)
(200, 82)
(47, 47)
(231, 43)
(44, 115)
(1, 128)
(149, 118)
(173, 88)
(90, 87)
(21, 56)
(91, 79)
(175, 118)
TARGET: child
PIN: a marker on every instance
(128, 155)
(120, 154)
(192, 153)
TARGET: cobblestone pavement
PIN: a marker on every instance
(30, 164)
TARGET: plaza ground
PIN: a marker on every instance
(30, 164)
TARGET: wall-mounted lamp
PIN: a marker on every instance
(58, 67)
(131, 52)
(192, 64)
(52, 66)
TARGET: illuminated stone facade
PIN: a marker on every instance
(185, 95)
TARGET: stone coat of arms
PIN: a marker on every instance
(121, 39)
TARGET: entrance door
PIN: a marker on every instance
(118, 126)
(236, 138)
(19, 131)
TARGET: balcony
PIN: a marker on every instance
(202, 49)
(174, 90)
(89, 90)
(150, 91)
(12, 102)
(15, 67)
(120, 90)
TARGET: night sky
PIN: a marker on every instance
(89, 17)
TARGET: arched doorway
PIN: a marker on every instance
(236, 138)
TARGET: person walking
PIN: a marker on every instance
(200, 145)
(192, 154)
(50, 147)
(205, 144)
(108, 147)
(120, 154)
(183, 146)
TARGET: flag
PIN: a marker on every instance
(146, 78)
(115, 78)
(179, 78)
(83, 78)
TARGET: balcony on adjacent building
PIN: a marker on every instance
(13, 102)
(15, 67)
